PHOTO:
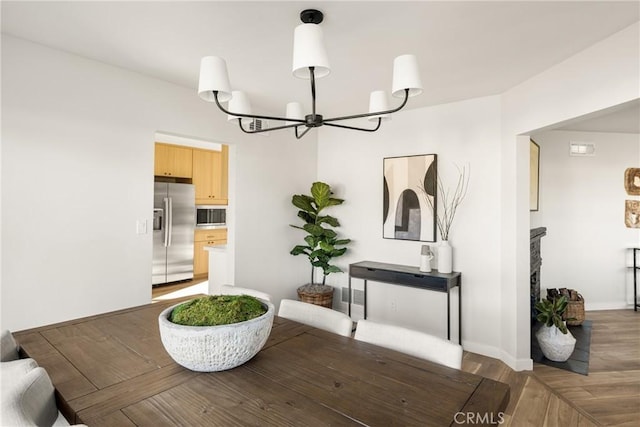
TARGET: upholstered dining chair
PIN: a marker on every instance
(8, 347)
(316, 316)
(237, 290)
(414, 343)
(30, 401)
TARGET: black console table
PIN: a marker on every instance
(405, 275)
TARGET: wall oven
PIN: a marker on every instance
(211, 216)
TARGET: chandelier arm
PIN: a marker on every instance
(265, 130)
(377, 113)
(298, 136)
(356, 128)
(312, 78)
(254, 116)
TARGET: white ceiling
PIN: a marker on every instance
(465, 49)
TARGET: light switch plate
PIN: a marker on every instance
(141, 226)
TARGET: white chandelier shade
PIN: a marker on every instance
(406, 76)
(294, 111)
(310, 61)
(240, 104)
(309, 51)
(378, 102)
(214, 77)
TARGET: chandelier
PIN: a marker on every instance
(310, 61)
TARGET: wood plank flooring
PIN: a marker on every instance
(549, 397)
(158, 291)
(611, 391)
(608, 396)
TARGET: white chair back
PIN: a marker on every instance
(408, 341)
(30, 401)
(11, 372)
(236, 290)
(8, 347)
(316, 316)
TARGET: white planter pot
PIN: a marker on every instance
(215, 348)
(555, 345)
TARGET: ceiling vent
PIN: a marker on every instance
(582, 149)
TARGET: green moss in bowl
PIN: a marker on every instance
(215, 310)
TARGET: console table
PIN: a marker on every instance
(405, 275)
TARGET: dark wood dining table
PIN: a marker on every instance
(112, 370)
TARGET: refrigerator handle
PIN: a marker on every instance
(167, 221)
(170, 221)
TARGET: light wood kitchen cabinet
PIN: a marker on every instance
(204, 238)
(224, 171)
(210, 176)
(173, 161)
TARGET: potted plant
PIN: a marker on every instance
(216, 332)
(321, 241)
(556, 342)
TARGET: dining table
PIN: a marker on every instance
(111, 369)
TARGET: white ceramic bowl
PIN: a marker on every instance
(215, 348)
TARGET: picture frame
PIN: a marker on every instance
(534, 171)
(410, 197)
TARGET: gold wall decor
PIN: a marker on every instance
(632, 181)
(632, 213)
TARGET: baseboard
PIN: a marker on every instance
(496, 353)
(517, 364)
(597, 306)
(483, 349)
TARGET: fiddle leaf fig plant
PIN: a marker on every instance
(322, 242)
(550, 312)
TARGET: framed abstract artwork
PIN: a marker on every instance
(409, 197)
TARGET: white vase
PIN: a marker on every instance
(555, 345)
(445, 257)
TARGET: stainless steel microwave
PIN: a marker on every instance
(211, 216)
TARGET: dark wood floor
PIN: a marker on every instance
(546, 396)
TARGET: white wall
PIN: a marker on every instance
(77, 173)
(582, 206)
(602, 76)
(462, 133)
(271, 173)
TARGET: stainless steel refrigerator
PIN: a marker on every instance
(174, 215)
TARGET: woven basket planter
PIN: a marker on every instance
(575, 312)
(316, 294)
(215, 348)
